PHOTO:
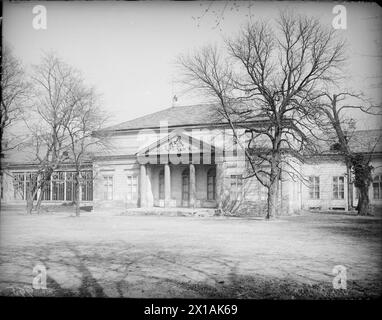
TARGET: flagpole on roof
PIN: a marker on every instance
(174, 97)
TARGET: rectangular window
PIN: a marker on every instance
(87, 186)
(31, 184)
(338, 187)
(70, 186)
(46, 190)
(132, 187)
(236, 186)
(18, 185)
(314, 187)
(377, 187)
(58, 185)
(108, 187)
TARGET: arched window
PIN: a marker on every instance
(161, 185)
(211, 184)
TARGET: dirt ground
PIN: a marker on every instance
(184, 257)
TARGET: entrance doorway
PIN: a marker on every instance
(185, 188)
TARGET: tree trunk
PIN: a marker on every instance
(39, 200)
(43, 184)
(363, 206)
(77, 195)
(29, 203)
(29, 196)
(272, 204)
(273, 190)
(362, 174)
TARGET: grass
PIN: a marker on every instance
(184, 257)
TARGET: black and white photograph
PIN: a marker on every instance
(227, 150)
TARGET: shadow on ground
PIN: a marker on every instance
(119, 270)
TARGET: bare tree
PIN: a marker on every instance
(66, 115)
(14, 95)
(334, 118)
(272, 74)
(55, 87)
(86, 121)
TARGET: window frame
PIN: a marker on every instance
(86, 185)
(377, 180)
(108, 187)
(314, 188)
(336, 187)
(19, 185)
(132, 181)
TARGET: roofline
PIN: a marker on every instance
(10, 165)
(195, 125)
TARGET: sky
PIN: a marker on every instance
(127, 50)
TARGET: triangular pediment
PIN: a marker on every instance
(177, 142)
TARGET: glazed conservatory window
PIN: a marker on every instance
(18, 185)
(70, 187)
(31, 184)
(58, 185)
(87, 186)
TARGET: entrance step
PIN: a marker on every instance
(173, 212)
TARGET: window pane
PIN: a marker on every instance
(376, 190)
(108, 187)
(18, 186)
(314, 187)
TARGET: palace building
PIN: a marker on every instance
(185, 156)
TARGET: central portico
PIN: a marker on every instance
(178, 171)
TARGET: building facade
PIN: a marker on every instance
(187, 157)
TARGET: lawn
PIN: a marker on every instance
(187, 257)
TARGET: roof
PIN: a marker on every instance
(175, 116)
(360, 141)
(366, 141)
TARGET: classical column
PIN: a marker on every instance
(149, 193)
(142, 186)
(192, 186)
(219, 184)
(167, 185)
